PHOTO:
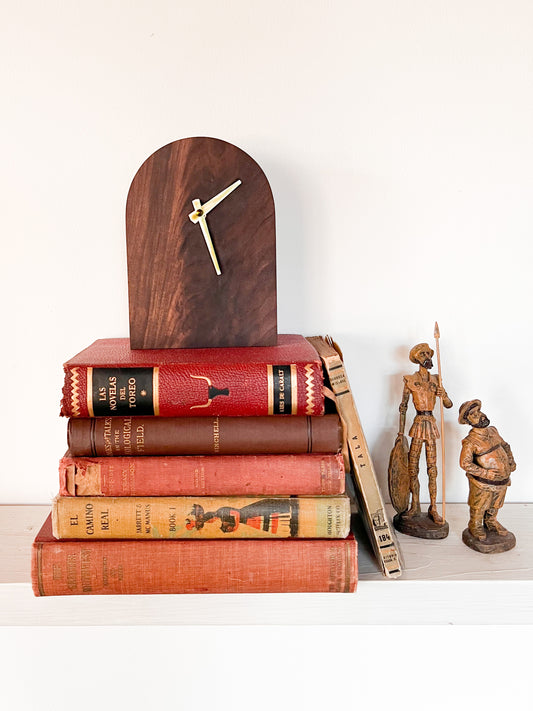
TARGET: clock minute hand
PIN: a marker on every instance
(210, 204)
(207, 237)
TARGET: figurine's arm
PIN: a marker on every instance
(403, 409)
(512, 463)
(441, 392)
(466, 460)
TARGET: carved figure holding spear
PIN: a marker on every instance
(404, 486)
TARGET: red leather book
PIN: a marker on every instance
(253, 475)
(147, 436)
(111, 567)
(109, 378)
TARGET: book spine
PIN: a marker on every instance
(152, 567)
(200, 517)
(146, 436)
(194, 390)
(252, 475)
(380, 530)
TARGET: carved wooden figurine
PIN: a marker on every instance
(404, 485)
(488, 463)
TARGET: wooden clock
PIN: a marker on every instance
(201, 243)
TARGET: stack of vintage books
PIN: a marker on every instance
(198, 470)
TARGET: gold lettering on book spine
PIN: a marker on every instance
(90, 392)
(309, 390)
(75, 393)
(155, 390)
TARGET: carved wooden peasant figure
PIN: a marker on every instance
(424, 389)
(488, 462)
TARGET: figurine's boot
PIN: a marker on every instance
(475, 525)
(432, 511)
(435, 516)
(493, 525)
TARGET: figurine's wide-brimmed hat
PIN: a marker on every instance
(466, 408)
(416, 350)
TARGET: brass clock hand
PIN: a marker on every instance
(210, 204)
(205, 231)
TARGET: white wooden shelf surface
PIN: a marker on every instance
(444, 582)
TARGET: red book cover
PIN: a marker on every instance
(270, 474)
(112, 567)
(109, 378)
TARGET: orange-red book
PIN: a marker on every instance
(251, 475)
(111, 567)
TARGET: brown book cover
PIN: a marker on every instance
(111, 567)
(144, 436)
(201, 517)
(253, 475)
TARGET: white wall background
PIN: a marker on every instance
(397, 139)
(394, 134)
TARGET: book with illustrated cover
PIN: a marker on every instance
(252, 475)
(109, 378)
(189, 517)
(378, 526)
(130, 567)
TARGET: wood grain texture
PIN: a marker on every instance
(176, 299)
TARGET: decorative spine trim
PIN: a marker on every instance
(75, 393)
(309, 390)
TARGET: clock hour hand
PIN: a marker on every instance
(210, 204)
(205, 231)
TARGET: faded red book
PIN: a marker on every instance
(270, 474)
(109, 378)
(147, 436)
(111, 567)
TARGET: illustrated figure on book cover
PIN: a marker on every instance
(270, 515)
(424, 389)
(488, 462)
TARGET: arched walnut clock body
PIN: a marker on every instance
(176, 298)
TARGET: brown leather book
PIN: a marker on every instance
(138, 436)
